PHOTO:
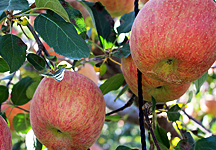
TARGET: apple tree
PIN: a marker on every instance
(43, 39)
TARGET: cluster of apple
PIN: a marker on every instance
(173, 44)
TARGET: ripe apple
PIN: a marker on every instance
(68, 114)
(5, 135)
(162, 92)
(117, 7)
(11, 111)
(174, 41)
(88, 70)
(95, 147)
(208, 104)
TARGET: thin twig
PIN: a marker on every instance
(128, 104)
(199, 124)
(150, 128)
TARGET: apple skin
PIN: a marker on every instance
(5, 135)
(68, 114)
(162, 92)
(174, 41)
(208, 104)
(12, 111)
(88, 70)
(117, 8)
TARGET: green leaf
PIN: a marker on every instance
(113, 118)
(36, 61)
(190, 139)
(76, 18)
(199, 82)
(103, 69)
(61, 36)
(31, 89)
(162, 146)
(13, 5)
(206, 143)
(123, 52)
(112, 83)
(173, 114)
(122, 91)
(181, 144)
(126, 22)
(3, 16)
(161, 136)
(121, 147)
(101, 19)
(153, 103)
(18, 94)
(3, 66)
(190, 96)
(4, 93)
(21, 123)
(53, 5)
(58, 75)
(13, 51)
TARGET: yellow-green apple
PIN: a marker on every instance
(208, 104)
(174, 41)
(162, 92)
(68, 114)
(117, 7)
(5, 135)
(12, 111)
(88, 70)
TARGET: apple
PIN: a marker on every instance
(11, 111)
(95, 147)
(5, 135)
(68, 114)
(162, 92)
(174, 41)
(208, 104)
(117, 8)
(88, 70)
(144, 1)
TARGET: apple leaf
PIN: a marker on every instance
(53, 5)
(122, 91)
(113, 118)
(58, 75)
(62, 36)
(161, 136)
(36, 61)
(126, 22)
(21, 123)
(18, 94)
(4, 93)
(123, 52)
(102, 69)
(13, 5)
(3, 16)
(3, 66)
(199, 82)
(31, 89)
(76, 18)
(206, 143)
(181, 144)
(112, 83)
(13, 51)
(121, 147)
(101, 20)
(189, 137)
(173, 113)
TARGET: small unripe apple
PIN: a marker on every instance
(174, 41)
(162, 92)
(5, 135)
(117, 7)
(208, 104)
(67, 115)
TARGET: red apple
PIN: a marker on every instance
(117, 7)
(68, 114)
(5, 135)
(11, 111)
(162, 92)
(174, 41)
(208, 104)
